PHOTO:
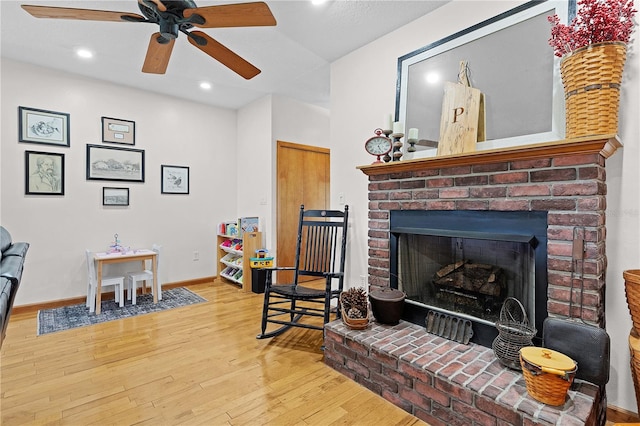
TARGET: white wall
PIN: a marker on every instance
(59, 228)
(363, 91)
(260, 125)
(254, 164)
(232, 168)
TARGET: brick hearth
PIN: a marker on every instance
(447, 383)
(443, 382)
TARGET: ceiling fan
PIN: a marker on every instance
(173, 17)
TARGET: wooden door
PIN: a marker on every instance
(303, 178)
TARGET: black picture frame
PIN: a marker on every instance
(520, 34)
(117, 130)
(41, 126)
(115, 196)
(115, 163)
(174, 179)
(44, 173)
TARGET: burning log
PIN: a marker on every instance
(472, 278)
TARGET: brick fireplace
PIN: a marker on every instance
(565, 179)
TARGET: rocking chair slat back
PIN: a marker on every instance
(320, 253)
(320, 242)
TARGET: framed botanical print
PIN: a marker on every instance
(115, 130)
(43, 127)
(175, 179)
(44, 173)
(115, 163)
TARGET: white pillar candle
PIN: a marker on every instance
(387, 122)
(398, 127)
(413, 133)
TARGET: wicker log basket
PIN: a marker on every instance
(634, 352)
(591, 77)
(632, 292)
(514, 333)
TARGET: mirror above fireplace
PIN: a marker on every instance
(510, 61)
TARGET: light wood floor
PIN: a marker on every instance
(199, 364)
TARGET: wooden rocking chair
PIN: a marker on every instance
(320, 255)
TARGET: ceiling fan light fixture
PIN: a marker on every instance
(169, 30)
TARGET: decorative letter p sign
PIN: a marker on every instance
(462, 119)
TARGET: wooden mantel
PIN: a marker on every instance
(606, 145)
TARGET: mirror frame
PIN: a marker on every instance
(563, 8)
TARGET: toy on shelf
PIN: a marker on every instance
(261, 260)
(116, 247)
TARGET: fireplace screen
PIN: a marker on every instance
(466, 263)
(469, 277)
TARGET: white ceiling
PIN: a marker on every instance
(294, 56)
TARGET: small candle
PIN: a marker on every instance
(413, 133)
(398, 127)
(387, 122)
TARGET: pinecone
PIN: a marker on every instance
(355, 302)
(354, 313)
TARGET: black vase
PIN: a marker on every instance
(387, 305)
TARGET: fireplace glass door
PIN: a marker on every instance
(466, 263)
(468, 277)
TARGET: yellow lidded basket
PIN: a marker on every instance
(547, 373)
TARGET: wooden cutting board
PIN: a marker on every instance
(462, 122)
(461, 117)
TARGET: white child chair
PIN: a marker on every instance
(133, 278)
(115, 281)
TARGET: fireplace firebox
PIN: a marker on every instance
(466, 263)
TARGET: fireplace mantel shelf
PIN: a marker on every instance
(606, 145)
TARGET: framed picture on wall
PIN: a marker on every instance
(115, 196)
(175, 179)
(44, 173)
(43, 127)
(115, 163)
(115, 130)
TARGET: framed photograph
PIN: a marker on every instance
(44, 173)
(115, 130)
(115, 196)
(111, 163)
(42, 126)
(175, 179)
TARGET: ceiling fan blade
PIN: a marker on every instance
(232, 15)
(161, 7)
(222, 54)
(158, 54)
(81, 14)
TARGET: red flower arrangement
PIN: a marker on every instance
(596, 21)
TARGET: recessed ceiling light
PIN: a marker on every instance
(205, 85)
(318, 2)
(84, 53)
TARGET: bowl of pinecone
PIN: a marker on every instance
(355, 308)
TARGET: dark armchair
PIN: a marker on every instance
(12, 256)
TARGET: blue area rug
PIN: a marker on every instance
(66, 317)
